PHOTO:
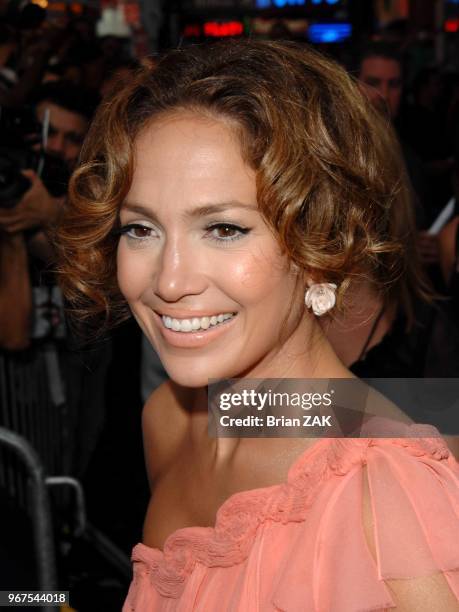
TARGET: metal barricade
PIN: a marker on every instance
(32, 404)
(37, 447)
(36, 491)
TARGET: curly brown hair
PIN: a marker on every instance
(331, 183)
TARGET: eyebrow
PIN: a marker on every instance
(200, 211)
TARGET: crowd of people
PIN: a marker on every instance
(52, 80)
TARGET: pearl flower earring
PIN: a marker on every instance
(321, 297)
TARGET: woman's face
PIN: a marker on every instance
(195, 250)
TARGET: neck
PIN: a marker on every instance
(348, 332)
(307, 354)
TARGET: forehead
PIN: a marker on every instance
(61, 118)
(193, 157)
(381, 66)
(182, 133)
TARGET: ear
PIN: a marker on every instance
(297, 270)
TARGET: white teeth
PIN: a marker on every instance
(188, 325)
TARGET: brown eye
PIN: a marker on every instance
(138, 231)
(225, 231)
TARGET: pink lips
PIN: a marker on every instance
(193, 339)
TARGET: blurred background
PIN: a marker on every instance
(73, 488)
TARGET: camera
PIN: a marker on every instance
(21, 148)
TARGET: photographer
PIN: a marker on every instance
(24, 247)
(33, 328)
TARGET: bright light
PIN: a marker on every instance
(329, 32)
(41, 3)
(228, 28)
(452, 26)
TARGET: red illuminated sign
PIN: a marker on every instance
(229, 28)
(452, 25)
(213, 29)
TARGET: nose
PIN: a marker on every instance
(181, 272)
(384, 90)
(56, 144)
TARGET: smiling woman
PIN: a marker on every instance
(197, 264)
(219, 199)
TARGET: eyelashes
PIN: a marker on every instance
(218, 232)
(215, 227)
(129, 229)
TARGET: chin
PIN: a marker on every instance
(192, 381)
(196, 376)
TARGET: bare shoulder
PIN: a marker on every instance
(164, 423)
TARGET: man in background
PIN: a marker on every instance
(70, 110)
(380, 76)
(23, 227)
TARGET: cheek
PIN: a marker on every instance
(73, 151)
(131, 273)
(369, 91)
(374, 95)
(260, 279)
(53, 142)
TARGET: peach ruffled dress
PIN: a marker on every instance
(300, 546)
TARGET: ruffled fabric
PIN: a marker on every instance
(301, 545)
